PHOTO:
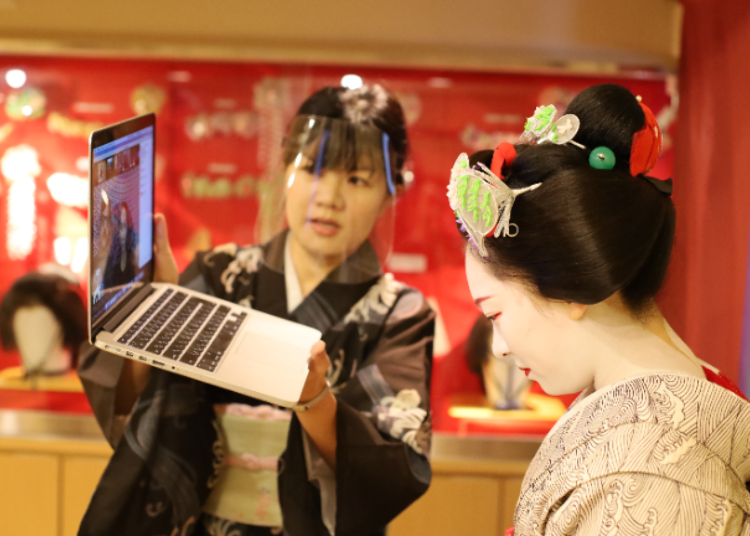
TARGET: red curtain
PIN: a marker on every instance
(704, 298)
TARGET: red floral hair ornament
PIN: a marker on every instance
(504, 155)
(646, 145)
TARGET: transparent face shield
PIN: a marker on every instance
(335, 193)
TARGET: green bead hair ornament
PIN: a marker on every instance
(602, 158)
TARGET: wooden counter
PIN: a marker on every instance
(474, 490)
(51, 463)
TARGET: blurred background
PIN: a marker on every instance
(224, 80)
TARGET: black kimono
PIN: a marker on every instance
(169, 454)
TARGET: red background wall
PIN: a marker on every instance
(712, 191)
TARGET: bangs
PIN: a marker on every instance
(347, 147)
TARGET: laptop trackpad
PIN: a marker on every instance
(273, 352)
(267, 366)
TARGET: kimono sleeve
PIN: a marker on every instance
(639, 503)
(383, 433)
(99, 372)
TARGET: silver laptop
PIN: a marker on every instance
(165, 325)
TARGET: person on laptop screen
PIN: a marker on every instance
(195, 459)
(115, 258)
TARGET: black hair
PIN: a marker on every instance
(479, 345)
(587, 233)
(51, 291)
(366, 106)
(128, 215)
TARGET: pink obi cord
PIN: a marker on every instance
(252, 463)
(263, 412)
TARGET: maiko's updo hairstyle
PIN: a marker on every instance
(587, 233)
(366, 106)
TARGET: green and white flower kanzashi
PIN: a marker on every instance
(541, 120)
(482, 201)
(542, 127)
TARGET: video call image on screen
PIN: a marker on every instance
(122, 216)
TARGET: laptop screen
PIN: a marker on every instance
(121, 212)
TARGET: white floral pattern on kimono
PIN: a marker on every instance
(377, 302)
(401, 417)
(246, 259)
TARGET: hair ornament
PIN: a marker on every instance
(541, 127)
(602, 158)
(646, 146)
(364, 104)
(664, 186)
(504, 155)
(482, 201)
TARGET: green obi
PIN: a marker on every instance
(247, 490)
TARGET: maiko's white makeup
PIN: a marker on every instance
(543, 336)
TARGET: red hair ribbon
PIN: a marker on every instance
(504, 155)
(646, 145)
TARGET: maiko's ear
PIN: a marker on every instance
(576, 310)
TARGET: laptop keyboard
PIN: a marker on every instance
(132, 330)
(147, 334)
(219, 345)
(175, 325)
(186, 329)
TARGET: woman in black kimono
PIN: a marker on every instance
(194, 459)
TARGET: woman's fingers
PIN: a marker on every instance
(318, 348)
(319, 361)
(317, 364)
(165, 269)
(162, 234)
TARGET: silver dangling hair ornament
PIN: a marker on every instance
(542, 127)
(482, 201)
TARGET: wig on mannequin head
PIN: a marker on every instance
(53, 292)
(587, 233)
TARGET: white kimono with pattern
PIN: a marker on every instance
(656, 455)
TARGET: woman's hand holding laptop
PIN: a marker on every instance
(320, 421)
(165, 267)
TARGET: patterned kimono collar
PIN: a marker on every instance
(330, 300)
(293, 288)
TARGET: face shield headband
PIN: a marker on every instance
(385, 144)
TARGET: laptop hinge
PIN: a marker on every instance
(126, 308)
